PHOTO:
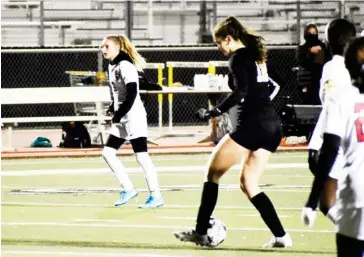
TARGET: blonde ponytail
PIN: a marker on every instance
(129, 49)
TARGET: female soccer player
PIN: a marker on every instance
(129, 121)
(256, 136)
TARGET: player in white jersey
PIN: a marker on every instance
(129, 121)
(344, 127)
(334, 77)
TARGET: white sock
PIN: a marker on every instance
(150, 174)
(117, 167)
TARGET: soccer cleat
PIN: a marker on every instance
(279, 242)
(193, 237)
(152, 202)
(125, 196)
(308, 216)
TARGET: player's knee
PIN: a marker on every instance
(142, 157)
(108, 152)
(248, 184)
(243, 188)
(214, 175)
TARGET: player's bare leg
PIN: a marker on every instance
(226, 154)
(251, 172)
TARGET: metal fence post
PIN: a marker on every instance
(41, 25)
(298, 24)
(128, 19)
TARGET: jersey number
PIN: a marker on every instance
(359, 122)
(262, 72)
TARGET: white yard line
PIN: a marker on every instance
(130, 159)
(175, 218)
(137, 169)
(144, 226)
(194, 218)
(174, 206)
(97, 220)
(186, 187)
(93, 253)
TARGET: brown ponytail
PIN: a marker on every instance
(231, 26)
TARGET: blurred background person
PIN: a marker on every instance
(311, 57)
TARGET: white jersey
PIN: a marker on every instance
(334, 77)
(134, 123)
(344, 117)
(121, 74)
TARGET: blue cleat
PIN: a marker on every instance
(125, 196)
(152, 202)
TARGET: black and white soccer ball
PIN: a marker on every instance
(216, 232)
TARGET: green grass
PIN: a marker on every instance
(86, 223)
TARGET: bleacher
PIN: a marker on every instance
(174, 22)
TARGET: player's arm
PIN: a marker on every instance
(130, 76)
(110, 110)
(239, 93)
(323, 81)
(304, 56)
(333, 132)
(275, 90)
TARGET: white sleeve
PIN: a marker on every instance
(334, 121)
(316, 138)
(275, 90)
(322, 84)
(129, 72)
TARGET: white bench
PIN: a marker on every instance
(51, 95)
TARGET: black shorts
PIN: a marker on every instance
(349, 247)
(254, 135)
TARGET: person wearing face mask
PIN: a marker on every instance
(311, 57)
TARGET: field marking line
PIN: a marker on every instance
(65, 224)
(128, 159)
(15, 173)
(97, 220)
(93, 253)
(176, 206)
(194, 218)
(170, 188)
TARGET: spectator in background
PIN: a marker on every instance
(311, 57)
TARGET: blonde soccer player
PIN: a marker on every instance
(129, 119)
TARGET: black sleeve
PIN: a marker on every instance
(124, 108)
(239, 73)
(326, 160)
(304, 56)
(235, 97)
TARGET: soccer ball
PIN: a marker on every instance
(216, 232)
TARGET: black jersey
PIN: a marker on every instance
(250, 84)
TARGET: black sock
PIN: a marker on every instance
(317, 187)
(207, 206)
(313, 199)
(269, 215)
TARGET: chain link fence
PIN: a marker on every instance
(65, 23)
(77, 67)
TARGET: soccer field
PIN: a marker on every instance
(64, 207)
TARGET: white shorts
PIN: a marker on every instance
(131, 129)
(350, 222)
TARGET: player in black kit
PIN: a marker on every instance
(257, 135)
